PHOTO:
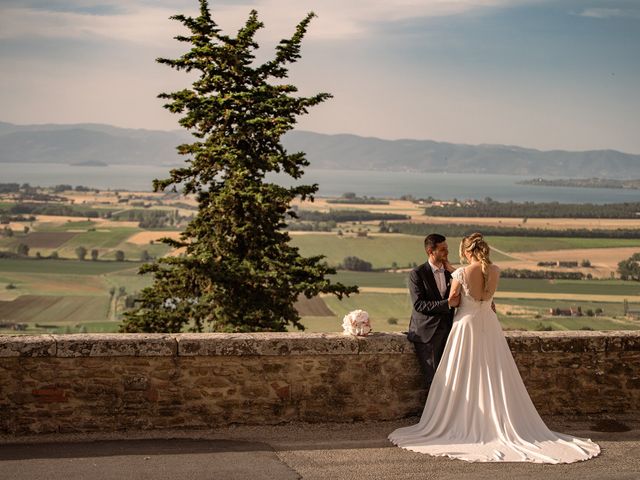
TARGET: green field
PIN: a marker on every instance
(129, 279)
(566, 323)
(598, 287)
(535, 244)
(134, 251)
(78, 291)
(371, 279)
(53, 284)
(102, 240)
(54, 310)
(64, 227)
(63, 267)
(522, 314)
(594, 287)
(380, 250)
(542, 306)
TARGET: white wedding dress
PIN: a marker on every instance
(478, 408)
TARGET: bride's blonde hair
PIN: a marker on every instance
(478, 248)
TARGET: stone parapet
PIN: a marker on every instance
(104, 382)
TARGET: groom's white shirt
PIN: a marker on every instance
(441, 281)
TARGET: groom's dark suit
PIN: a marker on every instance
(431, 318)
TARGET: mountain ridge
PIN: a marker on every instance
(94, 142)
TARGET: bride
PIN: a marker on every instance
(478, 408)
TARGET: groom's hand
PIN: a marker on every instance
(447, 266)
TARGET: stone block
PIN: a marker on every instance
(573, 341)
(523, 341)
(116, 345)
(265, 344)
(117, 382)
(623, 341)
(376, 343)
(27, 346)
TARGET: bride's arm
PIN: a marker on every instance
(454, 293)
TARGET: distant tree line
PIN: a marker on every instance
(150, 219)
(492, 208)
(9, 187)
(347, 216)
(5, 219)
(352, 198)
(356, 264)
(629, 269)
(40, 197)
(52, 209)
(311, 226)
(459, 230)
(542, 274)
(67, 188)
(28, 188)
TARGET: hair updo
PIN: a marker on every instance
(478, 248)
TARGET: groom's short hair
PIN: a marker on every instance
(432, 240)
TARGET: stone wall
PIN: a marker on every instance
(82, 383)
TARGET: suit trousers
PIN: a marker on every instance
(429, 354)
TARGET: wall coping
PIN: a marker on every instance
(286, 343)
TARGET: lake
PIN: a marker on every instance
(444, 186)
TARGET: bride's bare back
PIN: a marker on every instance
(475, 281)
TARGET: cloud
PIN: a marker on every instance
(76, 6)
(146, 22)
(604, 13)
(142, 26)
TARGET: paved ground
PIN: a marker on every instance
(295, 451)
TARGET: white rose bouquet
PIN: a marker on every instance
(356, 323)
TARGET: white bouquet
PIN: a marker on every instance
(356, 323)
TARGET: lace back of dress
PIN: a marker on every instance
(463, 282)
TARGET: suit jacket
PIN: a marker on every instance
(429, 308)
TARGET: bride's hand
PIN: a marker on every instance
(447, 266)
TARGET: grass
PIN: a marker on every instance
(542, 306)
(47, 240)
(53, 284)
(371, 279)
(63, 267)
(133, 251)
(85, 284)
(98, 239)
(597, 287)
(9, 243)
(71, 225)
(535, 244)
(49, 309)
(380, 250)
(566, 323)
(98, 327)
(130, 280)
(380, 306)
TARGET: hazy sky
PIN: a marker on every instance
(562, 74)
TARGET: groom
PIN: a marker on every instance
(431, 316)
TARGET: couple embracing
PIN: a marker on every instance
(477, 408)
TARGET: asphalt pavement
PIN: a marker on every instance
(324, 451)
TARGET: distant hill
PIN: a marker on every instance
(82, 143)
(354, 152)
(104, 144)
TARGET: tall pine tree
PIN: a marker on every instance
(237, 271)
